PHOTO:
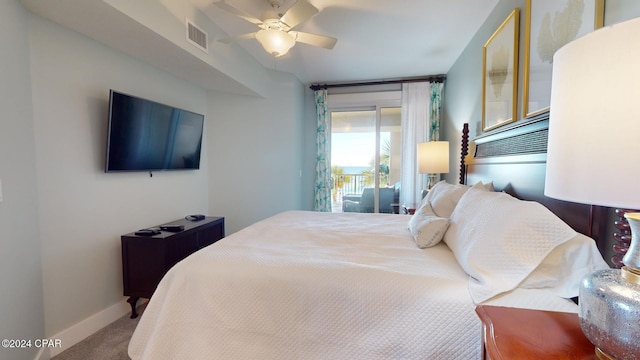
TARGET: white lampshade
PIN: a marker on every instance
(594, 128)
(275, 42)
(433, 157)
(594, 124)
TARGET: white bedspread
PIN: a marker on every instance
(307, 285)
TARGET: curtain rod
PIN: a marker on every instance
(432, 78)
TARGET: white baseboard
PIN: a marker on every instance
(86, 327)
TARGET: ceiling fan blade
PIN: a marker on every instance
(230, 9)
(299, 12)
(315, 40)
(236, 38)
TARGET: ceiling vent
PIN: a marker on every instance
(196, 36)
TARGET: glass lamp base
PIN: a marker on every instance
(610, 313)
(602, 355)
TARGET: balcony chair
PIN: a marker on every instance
(366, 202)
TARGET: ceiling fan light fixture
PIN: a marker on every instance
(275, 42)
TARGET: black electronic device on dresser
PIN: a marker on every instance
(147, 257)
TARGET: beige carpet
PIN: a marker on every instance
(109, 343)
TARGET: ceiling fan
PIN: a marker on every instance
(275, 34)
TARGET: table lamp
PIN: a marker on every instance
(594, 132)
(433, 158)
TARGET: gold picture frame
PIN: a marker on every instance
(500, 74)
(544, 20)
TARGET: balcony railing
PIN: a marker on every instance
(350, 184)
(350, 187)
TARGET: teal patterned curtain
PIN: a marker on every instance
(436, 105)
(322, 200)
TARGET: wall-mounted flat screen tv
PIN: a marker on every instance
(145, 135)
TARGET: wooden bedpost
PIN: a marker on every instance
(464, 151)
(622, 237)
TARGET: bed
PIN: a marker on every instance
(307, 285)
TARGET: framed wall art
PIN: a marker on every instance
(500, 74)
(549, 25)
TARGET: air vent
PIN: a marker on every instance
(197, 36)
(527, 143)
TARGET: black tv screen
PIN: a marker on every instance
(145, 136)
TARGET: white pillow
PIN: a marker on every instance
(563, 269)
(499, 240)
(488, 186)
(427, 228)
(443, 197)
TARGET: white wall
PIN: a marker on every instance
(255, 152)
(21, 312)
(82, 210)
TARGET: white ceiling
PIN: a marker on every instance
(377, 39)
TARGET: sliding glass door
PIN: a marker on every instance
(366, 148)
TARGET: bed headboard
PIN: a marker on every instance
(514, 158)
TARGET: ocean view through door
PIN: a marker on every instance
(366, 148)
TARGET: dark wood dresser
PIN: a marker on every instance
(145, 259)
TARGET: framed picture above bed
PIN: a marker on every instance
(500, 74)
(549, 25)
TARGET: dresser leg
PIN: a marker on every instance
(133, 301)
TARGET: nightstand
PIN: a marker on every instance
(510, 333)
(408, 209)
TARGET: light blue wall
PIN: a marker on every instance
(463, 89)
(620, 10)
(62, 216)
(256, 162)
(21, 300)
(83, 210)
